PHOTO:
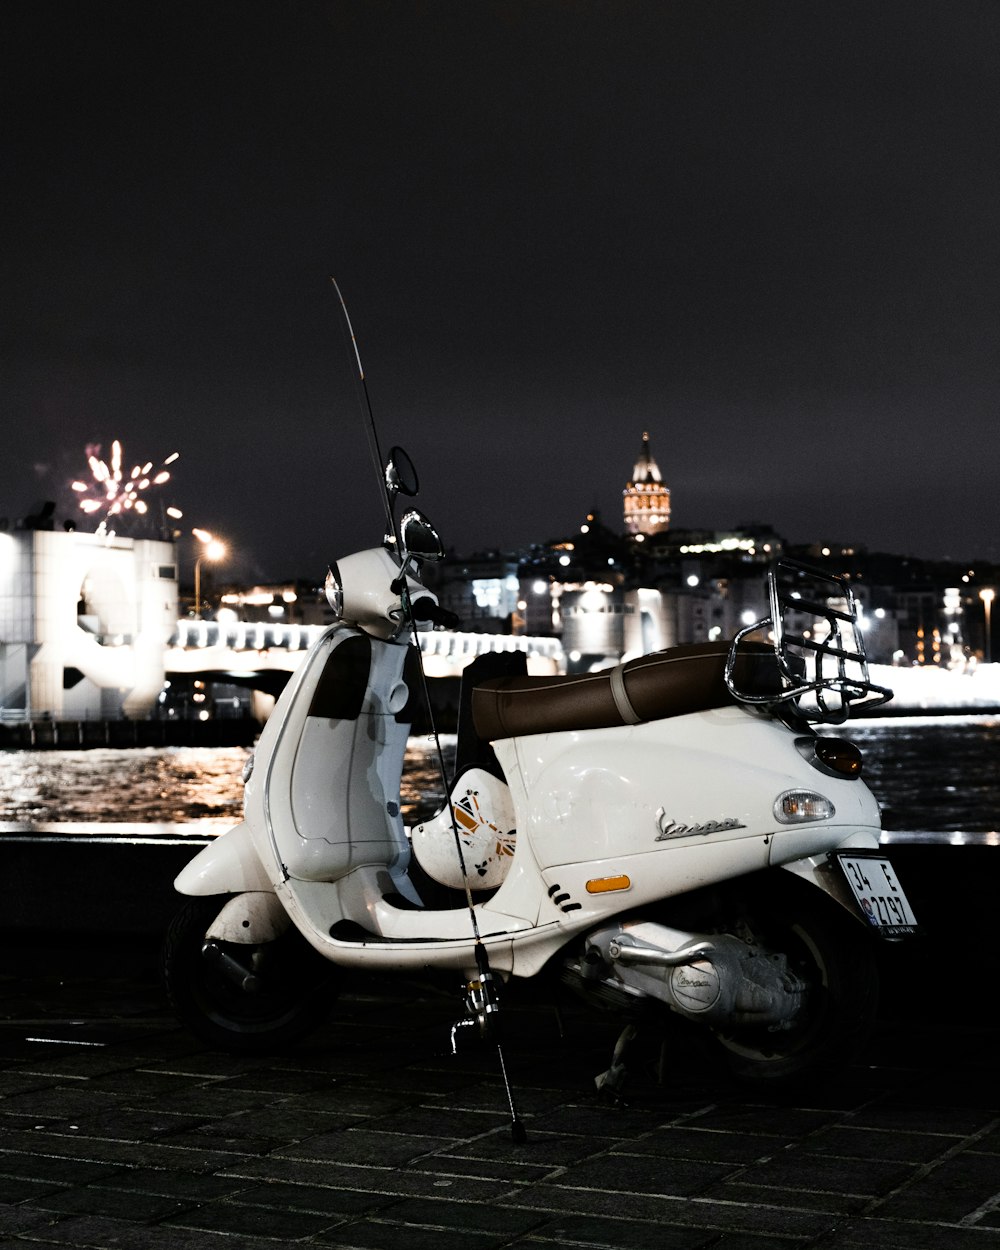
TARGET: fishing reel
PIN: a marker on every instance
(482, 1004)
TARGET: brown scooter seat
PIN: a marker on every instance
(650, 687)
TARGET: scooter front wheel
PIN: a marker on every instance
(286, 990)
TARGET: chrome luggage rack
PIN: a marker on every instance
(818, 646)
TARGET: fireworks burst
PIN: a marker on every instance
(112, 493)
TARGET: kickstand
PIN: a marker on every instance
(613, 1079)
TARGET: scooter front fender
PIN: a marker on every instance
(250, 919)
(229, 865)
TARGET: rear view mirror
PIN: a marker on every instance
(400, 474)
(420, 539)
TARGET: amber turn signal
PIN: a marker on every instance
(604, 885)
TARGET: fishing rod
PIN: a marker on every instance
(482, 997)
(371, 431)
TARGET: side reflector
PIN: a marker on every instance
(842, 756)
(605, 885)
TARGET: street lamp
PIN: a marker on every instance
(213, 550)
(987, 594)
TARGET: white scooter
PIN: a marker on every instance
(667, 836)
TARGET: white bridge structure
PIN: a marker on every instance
(248, 651)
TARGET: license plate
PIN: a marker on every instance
(879, 894)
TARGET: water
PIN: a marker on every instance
(939, 773)
(932, 772)
(172, 785)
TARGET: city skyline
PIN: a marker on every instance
(764, 233)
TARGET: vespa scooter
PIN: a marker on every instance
(671, 837)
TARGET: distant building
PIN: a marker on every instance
(646, 498)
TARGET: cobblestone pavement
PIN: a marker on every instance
(119, 1129)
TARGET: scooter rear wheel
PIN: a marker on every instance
(836, 958)
(294, 986)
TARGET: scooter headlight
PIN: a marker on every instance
(334, 589)
(794, 807)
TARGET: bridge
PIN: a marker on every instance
(248, 650)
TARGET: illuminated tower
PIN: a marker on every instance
(647, 500)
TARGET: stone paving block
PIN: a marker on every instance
(66, 1063)
(175, 1183)
(602, 1233)
(357, 1100)
(676, 1213)
(15, 1081)
(541, 1149)
(951, 1191)
(599, 1119)
(487, 1093)
(864, 1234)
(413, 1084)
(197, 1064)
(448, 1213)
(378, 1180)
(292, 1119)
(437, 1121)
(205, 1101)
(117, 1204)
(362, 1145)
(100, 1150)
(274, 1081)
(98, 1232)
(375, 1235)
(851, 1140)
(14, 1189)
(129, 1124)
(223, 1144)
(334, 1202)
(711, 1145)
(59, 1170)
(144, 1083)
(59, 1103)
(242, 1221)
(503, 1171)
(570, 1200)
(753, 1219)
(644, 1174)
(792, 1172)
(21, 1219)
(834, 1205)
(763, 1119)
(912, 1115)
(989, 1142)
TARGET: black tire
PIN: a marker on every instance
(296, 985)
(836, 957)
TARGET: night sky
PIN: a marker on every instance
(766, 232)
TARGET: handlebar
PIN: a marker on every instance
(425, 609)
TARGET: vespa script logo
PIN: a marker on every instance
(670, 828)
